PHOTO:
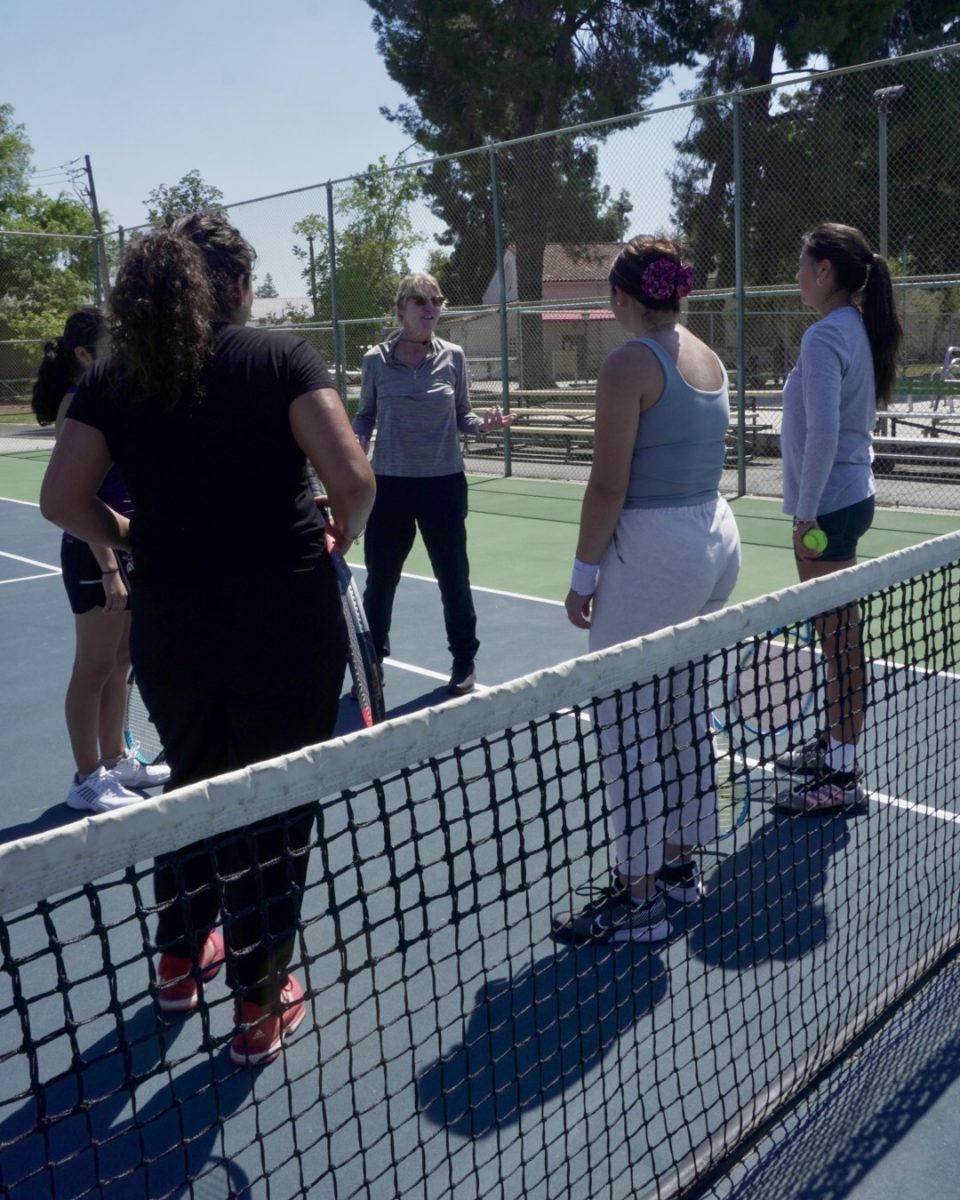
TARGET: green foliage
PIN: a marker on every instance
(42, 278)
(266, 290)
(812, 155)
(374, 236)
(495, 70)
(192, 194)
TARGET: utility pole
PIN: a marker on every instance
(103, 270)
(313, 277)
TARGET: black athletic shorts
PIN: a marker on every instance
(844, 528)
(82, 575)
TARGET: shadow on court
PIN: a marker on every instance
(863, 1113)
(533, 1037)
(763, 902)
(98, 1143)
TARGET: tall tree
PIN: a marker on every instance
(494, 70)
(267, 290)
(42, 277)
(373, 235)
(191, 194)
(742, 55)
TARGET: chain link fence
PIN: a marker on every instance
(521, 236)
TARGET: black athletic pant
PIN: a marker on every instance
(234, 674)
(438, 505)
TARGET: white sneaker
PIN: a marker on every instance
(100, 792)
(131, 772)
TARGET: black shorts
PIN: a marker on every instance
(82, 576)
(844, 528)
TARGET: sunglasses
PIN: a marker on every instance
(420, 301)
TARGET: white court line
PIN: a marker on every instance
(27, 578)
(31, 562)
(473, 587)
(28, 503)
(414, 670)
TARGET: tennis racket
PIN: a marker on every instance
(732, 784)
(139, 732)
(731, 771)
(364, 667)
(776, 680)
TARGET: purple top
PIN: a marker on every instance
(112, 491)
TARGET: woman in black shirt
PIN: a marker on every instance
(237, 639)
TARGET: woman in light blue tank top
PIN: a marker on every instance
(658, 545)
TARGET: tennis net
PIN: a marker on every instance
(452, 1047)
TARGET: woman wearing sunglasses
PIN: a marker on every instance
(414, 390)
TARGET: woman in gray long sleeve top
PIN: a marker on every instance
(414, 389)
(847, 361)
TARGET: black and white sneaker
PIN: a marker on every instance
(612, 915)
(810, 758)
(463, 677)
(681, 881)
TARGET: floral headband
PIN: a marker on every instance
(663, 277)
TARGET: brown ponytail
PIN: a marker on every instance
(59, 369)
(858, 269)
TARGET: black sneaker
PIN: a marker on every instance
(462, 678)
(807, 759)
(613, 916)
(681, 881)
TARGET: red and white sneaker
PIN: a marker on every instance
(178, 987)
(264, 1028)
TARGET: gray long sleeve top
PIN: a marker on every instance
(418, 411)
(829, 411)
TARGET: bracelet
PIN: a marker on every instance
(112, 571)
(583, 577)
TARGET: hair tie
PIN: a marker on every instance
(663, 278)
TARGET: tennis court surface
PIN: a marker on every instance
(451, 1047)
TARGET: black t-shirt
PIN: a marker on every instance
(218, 484)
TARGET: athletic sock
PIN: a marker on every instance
(841, 756)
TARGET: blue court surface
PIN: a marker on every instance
(465, 1053)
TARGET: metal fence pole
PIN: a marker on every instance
(504, 333)
(339, 365)
(739, 290)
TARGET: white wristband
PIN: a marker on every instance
(583, 577)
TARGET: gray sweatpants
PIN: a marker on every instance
(663, 566)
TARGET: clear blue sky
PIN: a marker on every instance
(259, 97)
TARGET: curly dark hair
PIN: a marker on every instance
(173, 284)
(632, 261)
(59, 369)
(866, 276)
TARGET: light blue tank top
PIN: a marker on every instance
(679, 451)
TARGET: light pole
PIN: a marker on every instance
(882, 98)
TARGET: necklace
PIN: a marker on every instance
(413, 341)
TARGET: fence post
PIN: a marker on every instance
(504, 333)
(339, 365)
(738, 287)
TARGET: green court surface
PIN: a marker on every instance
(523, 532)
(22, 474)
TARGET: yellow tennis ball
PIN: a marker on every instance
(815, 539)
